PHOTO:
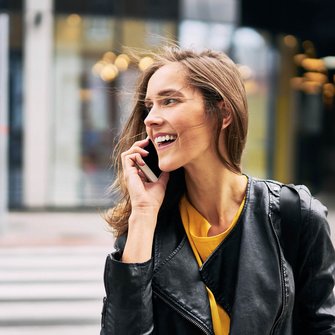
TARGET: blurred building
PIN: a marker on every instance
(71, 80)
(302, 33)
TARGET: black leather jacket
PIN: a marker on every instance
(247, 273)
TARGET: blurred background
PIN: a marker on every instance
(66, 86)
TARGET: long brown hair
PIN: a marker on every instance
(217, 77)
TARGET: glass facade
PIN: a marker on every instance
(91, 88)
(252, 51)
(89, 91)
(93, 80)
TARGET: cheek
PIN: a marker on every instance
(199, 135)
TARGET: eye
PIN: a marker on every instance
(148, 107)
(169, 101)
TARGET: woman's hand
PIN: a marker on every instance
(146, 199)
(143, 195)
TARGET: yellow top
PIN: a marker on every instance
(197, 227)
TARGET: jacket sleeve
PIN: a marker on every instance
(315, 303)
(128, 303)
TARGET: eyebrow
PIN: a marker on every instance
(166, 93)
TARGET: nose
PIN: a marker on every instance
(153, 118)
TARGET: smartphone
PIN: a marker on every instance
(150, 169)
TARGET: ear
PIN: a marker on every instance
(227, 115)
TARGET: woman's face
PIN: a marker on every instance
(176, 120)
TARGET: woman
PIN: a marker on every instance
(201, 250)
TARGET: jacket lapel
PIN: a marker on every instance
(176, 274)
(244, 272)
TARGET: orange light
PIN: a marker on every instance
(98, 67)
(290, 41)
(122, 62)
(313, 64)
(109, 72)
(109, 56)
(145, 62)
(316, 76)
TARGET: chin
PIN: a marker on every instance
(168, 168)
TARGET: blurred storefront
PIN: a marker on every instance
(302, 34)
(72, 77)
(71, 86)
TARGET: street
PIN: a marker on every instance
(55, 290)
(51, 278)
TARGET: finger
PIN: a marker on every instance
(141, 143)
(134, 154)
(134, 150)
(137, 147)
(130, 169)
(134, 160)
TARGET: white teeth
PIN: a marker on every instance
(161, 139)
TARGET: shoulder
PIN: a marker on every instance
(311, 208)
(270, 185)
(313, 212)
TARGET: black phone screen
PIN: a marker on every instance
(152, 159)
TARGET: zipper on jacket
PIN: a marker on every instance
(283, 297)
(282, 271)
(185, 315)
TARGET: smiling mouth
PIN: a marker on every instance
(165, 140)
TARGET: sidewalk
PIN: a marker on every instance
(52, 267)
(23, 229)
(77, 229)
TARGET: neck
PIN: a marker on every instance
(216, 193)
